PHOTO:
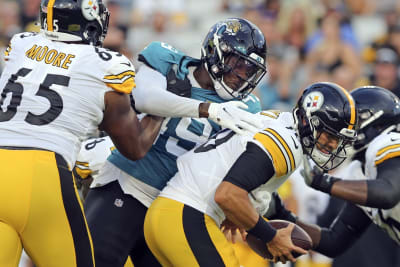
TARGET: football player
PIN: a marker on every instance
(94, 152)
(230, 179)
(58, 88)
(232, 64)
(373, 194)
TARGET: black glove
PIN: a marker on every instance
(277, 210)
(179, 87)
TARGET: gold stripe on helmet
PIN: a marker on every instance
(50, 15)
(352, 107)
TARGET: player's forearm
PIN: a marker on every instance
(353, 191)
(236, 206)
(150, 127)
(235, 203)
(167, 104)
(349, 224)
(381, 193)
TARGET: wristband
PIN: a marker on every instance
(263, 230)
(324, 182)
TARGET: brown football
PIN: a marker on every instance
(300, 238)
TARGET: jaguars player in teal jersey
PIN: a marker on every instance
(232, 63)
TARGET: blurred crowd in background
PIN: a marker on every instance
(349, 42)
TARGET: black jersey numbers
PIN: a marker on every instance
(218, 139)
(93, 144)
(106, 54)
(16, 89)
(56, 102)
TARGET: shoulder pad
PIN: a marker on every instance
(16, 40)
(161, 56)
(121, 75)
(384, 147)
(282, 146)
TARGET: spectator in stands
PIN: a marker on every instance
(331, 52)
(386, 70)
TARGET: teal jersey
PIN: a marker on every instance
(177, 135)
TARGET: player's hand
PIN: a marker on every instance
(233, 116)
(278, 211)
(316, 178)
(309, 173)
(281, 245)
(177, 86)
(231, 230)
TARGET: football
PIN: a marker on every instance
(300, 238)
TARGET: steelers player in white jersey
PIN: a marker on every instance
(231, 177)
(57, 89)
(232, 64)
(91, 158)
(372, 187)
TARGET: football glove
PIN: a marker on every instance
(233, 116)
(316, 178)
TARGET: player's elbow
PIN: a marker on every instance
(389, 202)
(224, 195)
(383, 199)
(221, 198)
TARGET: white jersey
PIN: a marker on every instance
(53, 93)
(383, 147)
(201, 170)
(92, 156)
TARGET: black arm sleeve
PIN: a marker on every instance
(384, 192)
(347, 227)
(252, 169)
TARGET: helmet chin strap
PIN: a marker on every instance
(319, 157)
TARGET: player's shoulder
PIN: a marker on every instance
(23, 37)
(279, 140)
(160, 56)
(159, 49)
(384, 146)
(113, 68)
(22, 40)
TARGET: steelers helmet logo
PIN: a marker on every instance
(313, 101)
(90, 9)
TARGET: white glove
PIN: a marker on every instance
(231, 115)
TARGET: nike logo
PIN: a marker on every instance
(128, 64)
(394, 139)
(294, 142)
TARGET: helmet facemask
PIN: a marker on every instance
(235, 60)
(326, 147)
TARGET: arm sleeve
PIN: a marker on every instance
(252, 169)
(152, 97)
(384, 192)
(344, 231)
